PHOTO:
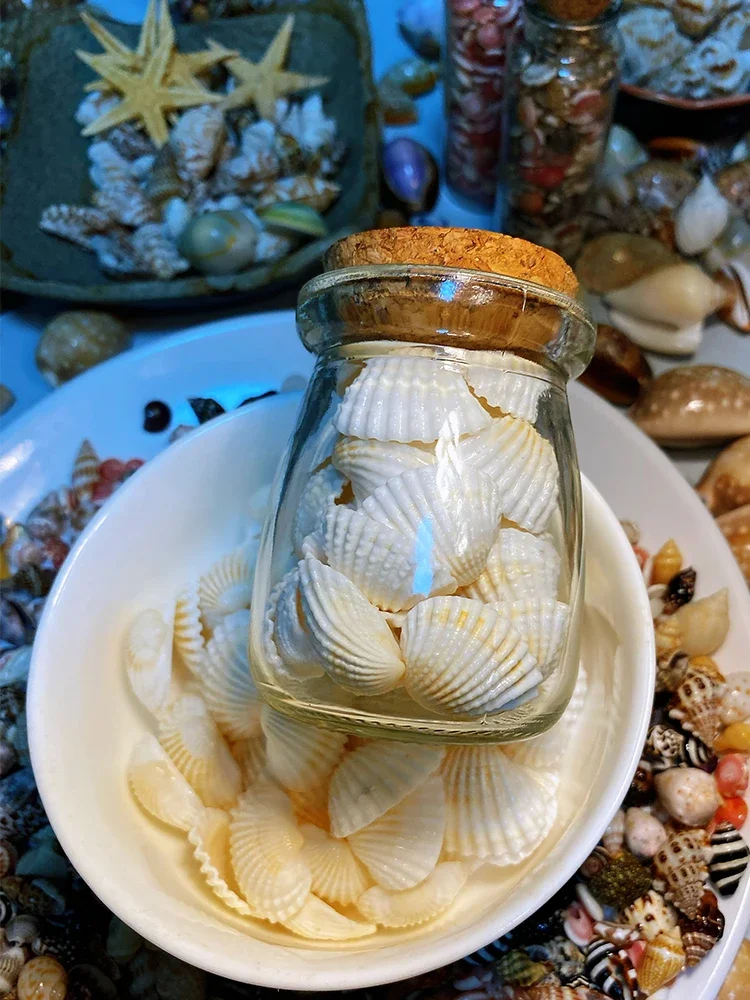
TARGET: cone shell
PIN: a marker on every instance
(452, 518)
(408, 399)
(230, 693)
(681, 865)
(696, 706)
(542, 624)
(464, 657)
(188, 630)
(545, 752)
(321, 490)
(320, 922)
(148, 657)
(265, 846)
(375, 778)
(368, 464)
(299, 756)
(337, 876)
(498, 810)
(522, 465)
(663, 959)
(520, 566)
(651, 915)
(351, 637)
(512, 392)
(418, 905)
(228, 586)
(210, 839)
(159, 786)
(290, 635)
(402, 847)
(191, 738)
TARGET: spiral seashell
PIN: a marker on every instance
(159, 787)
(603, 966)
(695, 705)
(463, 657)
(517, 968)
(230, 693)
(545, 752)
(85, 473)
(663, 959)
(680, 865)
(42, 978)
(148, 657)
(418, 905)
(299, 756)
(163, 182)
(76, 341)
(650, 41)
(703, 624)
(228, 586)
(188, 630)
(209, 837)
(12, 960)
(651, 915)
(290, 634)
(596, 862)
(613, 838)
(337, 876)
(322, 489)
(367, 463)
(671, 667)
(701, 934)
(701, 218)
(514, 393)
(319, 921)
(520, 566)
(542, 624)
(730, 856)
(22, 929)
(680, 295)
(196, 139)
(666, 747)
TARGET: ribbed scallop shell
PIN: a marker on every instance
(210, 839)
(508, 391)
(464, 657)
(192, 739)
(350, 635)
(147, 651)
(299, 756)
(265, 846)
(228, 688)
(160, 787)
(520, 566)
(522, 465)
(418, 905)
(228, 586)
(311, 805)
(452, 518)
(498, 810)
(251, 756)
(292, 639)
(408, 399)
(321, 490)
(320, 922)
(545, 752)
(368, 464)
(337, 876)
(542, 623)
(381, 561)
(402, 847)
(373, 779)
(188, 630)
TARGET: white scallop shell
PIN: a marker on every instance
(337, 876)
(188, 630)
(542, 623)
(228, 586)
(498, 810)
(319, 921)
(159, 786)
(292, 639)
(381, 561)
(210, 839)
(192, 739)
(368, 464)
(464, 657)
(351, 637)
(418, 905)
(228, 688)
(299, 756)
(321, 490)
(265, 846)
(250, 754)
(453, 518)
(147, 651)
(520, 566)
(402, 847)
(545, 752)
(522, 465)
(408, 399)
(511, 392)
(314, 545)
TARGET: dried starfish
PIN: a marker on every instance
(263, 83)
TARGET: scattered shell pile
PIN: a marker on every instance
(438, 576)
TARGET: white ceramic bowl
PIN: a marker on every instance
(180, 512)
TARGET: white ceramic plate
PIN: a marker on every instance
(236, 358)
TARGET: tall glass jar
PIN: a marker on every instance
(421, 572)
(565, 78)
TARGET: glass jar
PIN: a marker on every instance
(565, 78)
(420, 574)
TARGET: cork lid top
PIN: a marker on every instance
(475, 249)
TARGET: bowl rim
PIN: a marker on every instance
(685, 103)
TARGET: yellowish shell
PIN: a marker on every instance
(663, 959)
(542, 624)
(42, 978)
(703, 624)
(228, 586)
(160, 787)
(311, 805)
(210, 839)
(299, 756)
(251, 756)
(418, 905)
(148, 657)
(319, 921)
(667, 562)
(321, 490)
(292, 639)
(230, 693)
(188, 630)
(337, 876)
(367, 463)
(520, 566)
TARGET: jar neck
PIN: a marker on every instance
(543, 31)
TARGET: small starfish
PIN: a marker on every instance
(263, 83)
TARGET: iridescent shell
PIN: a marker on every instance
(160, 787)
(337, 876)
(464, 657)
(701, 934)
(651, 915)
(227, 586)
(511, 392)
(188, 630)
(545, 752)
(321, 490)
(680, 866)
(299, 756)
(695, 705)
(407, 400)
(735, 699)
(688, 794)
(75, 341)
(373, 779)
(147, 652)
(196, 139)
(368, 463)
(320, 922)
(520, 566)
(227, 686)
(542, 624)
(663, 959)
(415, 906)
(730, 856)
(42, 978)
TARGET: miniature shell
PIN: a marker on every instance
(688, 794)
(290, 635)
(154, 248)
(76, 341)
(498, 810)
(265, 846)
(85, 473)
(644, 833)
(373, 779)
(42, 978)
(320, 922)
(726, 483)
(12, 960)
(230, 693)
(402, 847)
(451, 517)
(368, 463)
(320, 492)
(663, 959)
(542, 624)
(695, 705)
(701, 217)
(219, 242)
(299, 756)
(680, 295)
(703, 624)
(407, 400)
(613, 837)
(148, 657)
(337, 876)
(650, 41)
(701, 934)
(545, 752)
(228, 586)
(464, 657)
(196, 139)
(316, 192)
(418, 905)
(604, 967)
(159, 786)
(729, 859)
(520, 566)
(514, 393)
(191, 738)
(651, 915)
(125, 203)
(209, 836)
(735, 699)
(188, 630)
(681, 866)
(735, 526)
(668, 747)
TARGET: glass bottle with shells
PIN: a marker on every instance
(421, 570)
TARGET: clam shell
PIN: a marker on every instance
(663, 959)
(228, 586)
(382, 562)
(321, 490)
(452, 517)
(651, 915)
(311, 805)
(545, 752)
(373, 779)
(520, 567)
(209, 837)
(498, 810)
(542, 624)
(292, 639)
(522, 465)
(351, 637)
(701, 218)
(148, 657)
(725, 485)
(408, 399)
(368, 464)
(679, 295)
(192, 739)
(230, 693)
(319, 921)
(188, 630)
(160, 787)
(463, 657)
(265, 846)
(337, 876)
(299, 756)
(250, 755)
(511, 391)
(680, 865)
(402, 847)
(418, 905)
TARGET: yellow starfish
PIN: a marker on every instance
(263, 83)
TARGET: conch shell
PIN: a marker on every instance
(726, 483)
(680, 295)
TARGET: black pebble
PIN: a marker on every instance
(156, 417)
(206, 408)
(254, 399)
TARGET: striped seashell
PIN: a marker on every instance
(159, 787)
(227, 586)
(707, 928)
(188, 630)
(320, 922)
(511, 392)
(148, 657)
(663, 959)
(651, 915)
(12, 960)
(695, 705)
(228, 688)
(729, 859)
(321, 490)
(290, 635)
(299, 756)
(418, 905)
(667, 747)
(337, 876)
(680, 865)
(85, 473)
(490, 953)
(368, 464)
(210, 840)
(607, 967)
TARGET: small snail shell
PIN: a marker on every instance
(220, 242)
(78, 340)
